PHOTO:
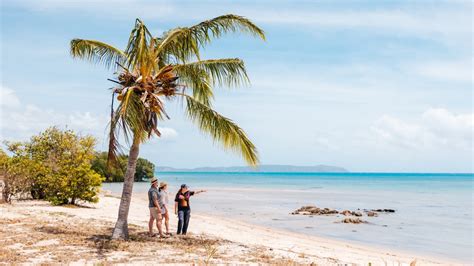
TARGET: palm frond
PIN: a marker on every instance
(222, 72)
(184, 43)
(227, 23)
(141, 50)
(196, 79)
(131, 117)
(114, 146)
(222, 129)
(178, 43)
(113, 142)
(97, 52)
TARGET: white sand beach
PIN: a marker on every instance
(306, 132)
(36, 232)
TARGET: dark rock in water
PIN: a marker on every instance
(372, 214)
(383, 210)
(353, 221)
(346, 212)
(313, 210)
(328, 211)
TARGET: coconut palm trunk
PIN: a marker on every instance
(121, 227)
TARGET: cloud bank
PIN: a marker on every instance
(434, 129)
(19, 121)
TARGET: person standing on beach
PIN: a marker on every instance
(182, 208)
(163, 193)
(155, 208)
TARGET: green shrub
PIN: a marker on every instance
(16, 173)
(62, 166)
(144, 170)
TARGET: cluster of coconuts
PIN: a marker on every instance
(163, 83)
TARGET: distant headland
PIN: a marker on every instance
(262, 168)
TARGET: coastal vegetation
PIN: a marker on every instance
(116, 172)
(61, 167)
(54, 165)
(154, 70)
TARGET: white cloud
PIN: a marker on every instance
(167, 133)
(19, 122)
(326, 144)
(435, 128)
(458, 71)
(444, 123)
(118, 8)
(376, 19)
(8, 99)
(86, 121)
(447, 24)
(436, 21)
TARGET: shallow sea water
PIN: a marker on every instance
(434, 212)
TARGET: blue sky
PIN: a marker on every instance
(366, 85)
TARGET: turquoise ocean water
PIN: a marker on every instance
(434, 212)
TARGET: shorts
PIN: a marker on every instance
(163, 209)
(154, 212)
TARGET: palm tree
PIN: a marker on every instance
(154, 70)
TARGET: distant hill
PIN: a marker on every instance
(261, 168)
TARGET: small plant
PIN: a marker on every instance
(211, 251)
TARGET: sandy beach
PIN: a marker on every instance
(36, 232)
(306, 132)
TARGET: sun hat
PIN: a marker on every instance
(163, 184)
(153, 180)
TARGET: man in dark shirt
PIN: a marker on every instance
(182, 208)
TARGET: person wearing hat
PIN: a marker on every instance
(163, 193)
(155, 207)
(182, 208)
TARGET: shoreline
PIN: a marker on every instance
(373, 248)
(328, 242)
(421, 216)
(282, 244)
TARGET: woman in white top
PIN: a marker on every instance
(163, 190)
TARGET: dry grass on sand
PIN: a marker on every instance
(34, 232)
(40, 237)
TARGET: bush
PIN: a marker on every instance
(60, 166)
(16, 173)
(144, 170)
